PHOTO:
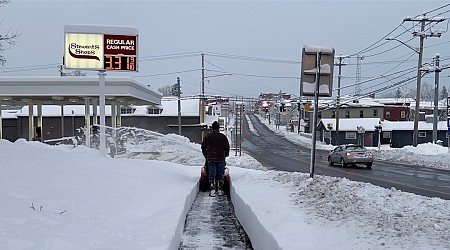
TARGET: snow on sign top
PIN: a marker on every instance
(100, 29)
(316, 49)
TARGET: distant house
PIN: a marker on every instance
(396, 109)
(400, 134)
(363, 131)
(351, 131)
(360, 108)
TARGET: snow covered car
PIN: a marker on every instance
(204, 180)
(350, 154)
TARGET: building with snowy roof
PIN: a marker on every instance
(65, 121)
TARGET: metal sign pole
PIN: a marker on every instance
(102, 91)
(314, 124)
(448, 123)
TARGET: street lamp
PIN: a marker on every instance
(419, 78)
(407, 45)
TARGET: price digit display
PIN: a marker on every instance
(127, 63)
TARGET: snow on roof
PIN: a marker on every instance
(9, 114)
(409, 125)
(351, 124)
(140, 110)
(209, 119)
(362, 102)
(189, 107)
(315, 49)
(394, 100)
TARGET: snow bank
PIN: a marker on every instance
(54, 198)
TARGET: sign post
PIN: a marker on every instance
(448, 123)
(101, 48)
(316, 79)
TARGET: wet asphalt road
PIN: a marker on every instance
(277, 153)
(212, 225)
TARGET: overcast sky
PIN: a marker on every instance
(242, 38)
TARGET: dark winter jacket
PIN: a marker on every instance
(215, 147)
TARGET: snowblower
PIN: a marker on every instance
(204, 180)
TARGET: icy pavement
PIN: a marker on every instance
(212, 224)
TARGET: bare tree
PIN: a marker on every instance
(6, 40)
(426, 92)
(166, 90)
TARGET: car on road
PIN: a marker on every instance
(350, 154)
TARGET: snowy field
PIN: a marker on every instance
(56, 197)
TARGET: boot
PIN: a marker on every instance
(212, 186)
(220, 191)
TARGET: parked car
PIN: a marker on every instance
(350, 154)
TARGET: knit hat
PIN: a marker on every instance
(215, 125)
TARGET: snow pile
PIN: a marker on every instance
(55, 198)
(379, 215)
(427, 154)
(149, 145)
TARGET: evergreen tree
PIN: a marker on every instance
(444, 93)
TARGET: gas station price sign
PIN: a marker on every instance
(127, 63)
(93, 51)
(120, 52)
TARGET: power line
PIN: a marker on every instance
(168, 73)
(248, 58)
(427, 12)
(257, 83)
(252, 75)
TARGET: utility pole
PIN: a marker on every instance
(422, 35)
(338, 97)
(179, 105)
(436, 98)
(202, 95)
(358, 90)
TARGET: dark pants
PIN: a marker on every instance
(216, 170)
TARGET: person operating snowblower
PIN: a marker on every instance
(215, 148)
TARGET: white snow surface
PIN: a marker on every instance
(82, 200)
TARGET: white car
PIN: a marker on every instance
(350, 154)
